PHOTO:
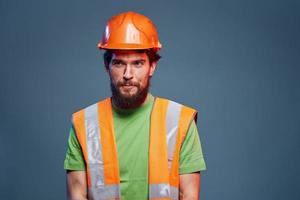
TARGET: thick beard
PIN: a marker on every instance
(129, 102)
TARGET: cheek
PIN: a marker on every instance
(144, 76)
(143, 81)
(114, 75)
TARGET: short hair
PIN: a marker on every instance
(151, 53)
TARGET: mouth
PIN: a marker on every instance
(128, 86)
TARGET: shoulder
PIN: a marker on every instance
(175, 103)
(174, 108)
(90, 109)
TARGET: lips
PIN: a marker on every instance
(128, 84)
(128, 87)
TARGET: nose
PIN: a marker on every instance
(128, 73)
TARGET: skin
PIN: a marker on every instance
(128, 67)
(76, 185)
(130, 71)
(189, 186)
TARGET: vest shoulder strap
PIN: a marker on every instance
(169, 124)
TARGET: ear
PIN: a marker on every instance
(152, 68)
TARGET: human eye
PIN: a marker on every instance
(139, 63)
(117, 63)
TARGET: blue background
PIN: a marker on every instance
(236, 61)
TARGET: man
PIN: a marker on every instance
(133, 146)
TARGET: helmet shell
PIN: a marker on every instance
(130, 30)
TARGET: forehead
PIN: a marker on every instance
(129, 55)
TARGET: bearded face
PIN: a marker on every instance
(130, 74)
(127, 95)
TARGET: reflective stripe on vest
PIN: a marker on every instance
(169, 125)
(103, 180)
(95, 132)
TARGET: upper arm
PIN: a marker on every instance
(75, 168)
(191, 157)
(74, 158)
(191, 163)
(76, 185)
(189, 186)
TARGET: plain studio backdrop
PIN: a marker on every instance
(236, 62)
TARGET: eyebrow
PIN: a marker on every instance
(122, 61)
(117, 60)
(138, 60)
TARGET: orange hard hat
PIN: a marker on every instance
(130, 30)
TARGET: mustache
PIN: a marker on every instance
(127, 83)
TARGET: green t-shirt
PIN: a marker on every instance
(132, 139)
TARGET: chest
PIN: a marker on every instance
(132, 140)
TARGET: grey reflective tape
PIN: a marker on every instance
(94, 146)
(159, 190)
(172, 119)
(98, 189)
(174, 193)
(107, 192)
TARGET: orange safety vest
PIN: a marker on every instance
(94, 129)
